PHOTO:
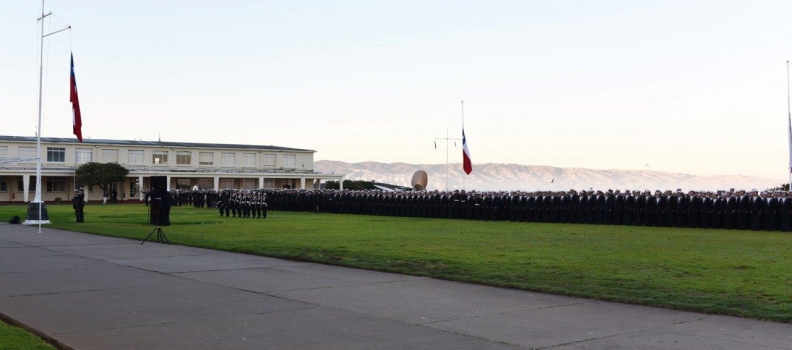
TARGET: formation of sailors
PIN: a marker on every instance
(242, 203)
(195, 197)
(769, 211)
(228, 202)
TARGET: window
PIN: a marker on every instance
(3, 151)
(3, 185)
(110, 155)
(206, 158)
(27, 152)
(56, 184)
(205, 184)
(21, 184)
(226, 183)
(159, 157)
(228, 159)
(56, 154)
(269, 183)
(288, 160)
(183, 184)
(249, 184)
(248, 159)
(268, 160)
(83, 155)
(135, 157)
(134, 185)
(183, 158)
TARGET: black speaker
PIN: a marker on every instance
(159, 209)
(159, 185)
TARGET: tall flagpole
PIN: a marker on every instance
(447, 140)
(789, 136)
(463, 130)
(35, 214)
(37, 211)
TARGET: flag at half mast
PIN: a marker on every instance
(466, 163)
(76, 117)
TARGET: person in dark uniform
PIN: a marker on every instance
(650, 209)
(660, 209)
(671, 209)
(638, 210)
(165, 208)
(757, 204)
(599, 208)
(769, 210)
(220, 207)
(784, 211)
(591, 208)
(705, 213)
(693, 209)
(683, 202)
(743, 210)
(78, 203)
(618, 208)
(574, 207)
(729, 206)
(718, 205)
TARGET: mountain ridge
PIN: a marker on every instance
(511, 176)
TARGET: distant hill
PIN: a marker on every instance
(497, 177)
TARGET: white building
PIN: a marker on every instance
(186, 165)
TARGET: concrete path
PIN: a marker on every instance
(93, 292)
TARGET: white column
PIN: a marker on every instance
(167, 186)
(261, 182)
(302, 183)
(217, 183)
(26, 185)
(341, 183)
(140, 187)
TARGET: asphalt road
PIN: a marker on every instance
(84, 291)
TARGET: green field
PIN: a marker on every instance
(13, 338)
(740, 273)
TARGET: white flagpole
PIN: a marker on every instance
(463, 146)
(789, 135)
(42, 217)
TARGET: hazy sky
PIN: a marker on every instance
(696, 87)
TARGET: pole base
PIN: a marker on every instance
(33, 218)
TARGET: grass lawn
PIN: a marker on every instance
(13, 338)
(740, 273)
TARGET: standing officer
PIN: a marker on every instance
(78, 203)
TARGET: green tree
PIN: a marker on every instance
(100, 174)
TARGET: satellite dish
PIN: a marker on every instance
(419, 180)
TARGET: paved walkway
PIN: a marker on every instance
(92, 292)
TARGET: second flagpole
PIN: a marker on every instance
(789, 132)
(463, 142)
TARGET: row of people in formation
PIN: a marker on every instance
(722, 209)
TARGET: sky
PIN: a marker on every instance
(697, 87)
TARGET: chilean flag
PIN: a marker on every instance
(76, 118)
(466, 164)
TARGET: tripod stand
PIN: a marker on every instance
(161, 238)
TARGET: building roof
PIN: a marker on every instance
(151, 143)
